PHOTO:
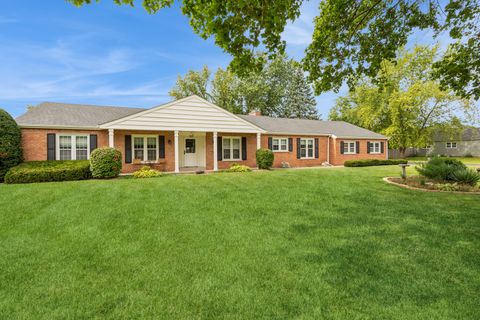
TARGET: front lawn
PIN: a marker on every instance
(466, 160)
(317, 243)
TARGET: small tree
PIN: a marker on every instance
(10, 143)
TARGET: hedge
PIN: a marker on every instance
(45, 171)
(374, 162)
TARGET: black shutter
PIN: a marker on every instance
(128, 149)
(368, 146)
(298, 148)
(161, 147)
(93, 142)
(341, 147)
(244, 148)
(219, 148)
(357, 146)
(290, 144)
(316, 148)
(270, 143)
(50, 146)
(382, 147)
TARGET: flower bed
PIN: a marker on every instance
(420, 183)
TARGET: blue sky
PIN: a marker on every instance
(113, 55)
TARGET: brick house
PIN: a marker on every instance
(190, 134)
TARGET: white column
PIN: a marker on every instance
(111, 141)
(215, 154)
(259, 140)
(177, 168)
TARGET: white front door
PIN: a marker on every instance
(190, 152)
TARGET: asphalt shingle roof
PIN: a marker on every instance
(90, 116)
(74, 115)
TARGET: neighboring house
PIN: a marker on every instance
(468, 143)
(190, 134)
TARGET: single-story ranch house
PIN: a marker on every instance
(190, 134)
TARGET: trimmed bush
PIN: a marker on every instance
(10, 143)
(105, 163)
(440, 169)
(46, 171)
(466, 176)
(235, 167)
(374, 162)
(146, 172)
(264, 158)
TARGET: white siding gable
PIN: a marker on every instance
(189, 114)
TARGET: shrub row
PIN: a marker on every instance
(374, 162)
(45, 171)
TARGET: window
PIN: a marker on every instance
(451, 145)
(231, 148)
(73, 147)
(279, 144)
(145, 148)
(374, 147)
(306, 148)
(349, 147)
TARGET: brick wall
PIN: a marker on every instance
(336, 158)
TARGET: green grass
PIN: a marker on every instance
(466, 160)
(308, 244)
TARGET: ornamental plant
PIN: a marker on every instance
(105, 163)
(440, 169)
(146, 172)
(264, 158)
(10, 143)
(235, 167)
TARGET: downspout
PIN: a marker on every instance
(328, 149)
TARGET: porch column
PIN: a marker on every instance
(177, 169)
(259, 140)
(215, 155)
(111, 141)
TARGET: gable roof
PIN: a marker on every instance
(340, 129)
(66, 115)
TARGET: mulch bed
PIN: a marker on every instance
(415, 183)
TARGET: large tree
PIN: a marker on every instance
(351, 37)
(404, 103)
(10, 143)
(279, 90)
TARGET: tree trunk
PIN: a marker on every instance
(402, 152)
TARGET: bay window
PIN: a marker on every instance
(72, 147)
(231, 147)
(306, 148)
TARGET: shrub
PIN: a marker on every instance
(264, 158)
(146, 172)
(105, 163)
(10, 143)
(440, 169)
(468, 155)
(447, 186)
(466, 176)
(45, 171)
(374, 162)
(238, 168)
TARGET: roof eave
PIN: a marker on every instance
(56, 126)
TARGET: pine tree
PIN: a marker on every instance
(299, 99)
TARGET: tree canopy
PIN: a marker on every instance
(10, 143)
(350, 39)
(405, 103)
(280, 90)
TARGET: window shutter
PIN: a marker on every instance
(270, 143)
(93, 142)
(382, 147)
(290, 144)
(219, 149)
(298, 148)
(316, 148)
(368, 146)
(128, 149)
(341, 147)
(244, 148)
(51, 146)
(161, 147)
(357, 146)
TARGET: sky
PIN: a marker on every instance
(106, 54)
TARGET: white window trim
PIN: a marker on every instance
(354, 147)
(145, 149)
(451, 145)
(231, 148)
(306, 149)
(375, 143)
(279, 144)
(74, 145)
